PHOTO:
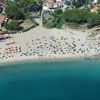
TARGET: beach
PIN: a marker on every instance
(40, 44)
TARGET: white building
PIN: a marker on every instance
(94, 1)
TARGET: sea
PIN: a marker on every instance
(50, 80)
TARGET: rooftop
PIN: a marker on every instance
(2, 17)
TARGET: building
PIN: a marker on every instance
(52, 4)
(2, 19)
(55, 4)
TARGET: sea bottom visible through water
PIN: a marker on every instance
(59, 80)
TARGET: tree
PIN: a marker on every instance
(58, 12)
(93, 19)
(75, 15)
(13, 25)
(14, 12)
(54, 0)
(98, 1)
(99, 11)
(32, 2)
(26, 2)
(79, 3)
(57, 18)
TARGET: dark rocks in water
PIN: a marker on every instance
(93, 57)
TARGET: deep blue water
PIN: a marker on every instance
(64, 80)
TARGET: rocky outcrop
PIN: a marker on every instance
(92, 57)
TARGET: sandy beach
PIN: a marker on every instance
(40, 43)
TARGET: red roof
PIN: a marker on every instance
(2, 17)
(56, 3)
(4, 36)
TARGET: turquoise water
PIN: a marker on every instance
(64, 80)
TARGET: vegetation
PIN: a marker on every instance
(20, 10)
(93, 19)
(14, 12)
(29, 5)
(98, 1)
(76, 16)
(80, 3)
(55, 21)
(13, 25)
(27, 2)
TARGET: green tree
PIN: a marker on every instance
(32, 2)
(79, 3)
(75, 15)
(26, 2)
(58, 12)
(13, 25)
(14, 12)
(54, 0)
(99, 11)
(93, 19)
(98, 1)
(57, 18)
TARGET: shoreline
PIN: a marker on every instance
(35, 59)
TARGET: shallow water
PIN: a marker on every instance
(62, 80)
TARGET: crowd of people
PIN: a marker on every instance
(49, 47)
